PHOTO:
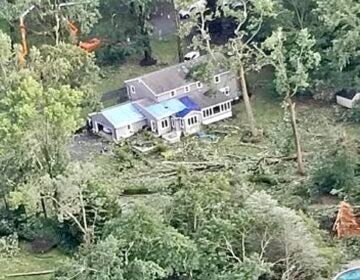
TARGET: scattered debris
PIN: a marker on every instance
(203, 135)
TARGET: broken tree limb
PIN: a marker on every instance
(35, 273)
(250, 145)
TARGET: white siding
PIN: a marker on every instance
(209, 115)
(141, 91)
(163, 130)
(347, 102)
(192, 128)
(129, 130)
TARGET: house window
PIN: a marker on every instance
(193, 120)
(129, 127)
(164, 124)
(223, 107)
(225, 91)
(208, 113)
(217, 79)
(182, 123)
(216, 109)
(173, 122)
(204, 114)
(187, 89)
(172, 93)
(132, 89)
(199, 84)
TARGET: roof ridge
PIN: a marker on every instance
(162, 70)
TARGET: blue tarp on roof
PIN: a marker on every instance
(166, 108)
(123, 115)
(190, 106)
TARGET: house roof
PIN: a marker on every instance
(171, 77)
(165, 108)
(122, 115)
(190, 106)
(207, 98)
(166, 79)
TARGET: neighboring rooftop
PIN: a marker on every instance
(122, 115)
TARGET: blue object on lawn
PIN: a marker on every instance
(351, 274)
(203, 135)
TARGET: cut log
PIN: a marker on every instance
(34, 273)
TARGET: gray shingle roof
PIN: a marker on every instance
(207, 98)
(168, 78)
(171, 77)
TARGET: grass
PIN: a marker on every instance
(29, 262)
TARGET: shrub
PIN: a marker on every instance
(351, 247)
(49, 233)
(335, 172)
(9, 246)
(112, 54)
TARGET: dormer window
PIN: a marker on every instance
(172, 93)
(187, 89)
(132, 89)
(225, 91)
(199, 84)
(217, 79)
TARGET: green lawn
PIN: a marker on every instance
(28, 262)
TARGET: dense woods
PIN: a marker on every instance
(256, 200)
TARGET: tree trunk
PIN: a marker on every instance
(6, 203)
(246, 99)
(57, 29)
(299, 154)
(43, 206)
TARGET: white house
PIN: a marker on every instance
(169, 103)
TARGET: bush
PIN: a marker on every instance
(49, 233)
(351, 247)
(335, 172)
(112, 54)
(9, 246)
(349, 115)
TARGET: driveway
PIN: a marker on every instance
(163, 20)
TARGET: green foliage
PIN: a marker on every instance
(9, 246)
(42, 119)
(65, 64)
(351, 247)
(335, 172)
(113, 54)
(38, 227)
(352, 115)
(292, 59)
(5, 53)
(49, 15)
(137, 245)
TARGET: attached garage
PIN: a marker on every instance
(118, 122)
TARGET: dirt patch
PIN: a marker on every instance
(86, 145)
